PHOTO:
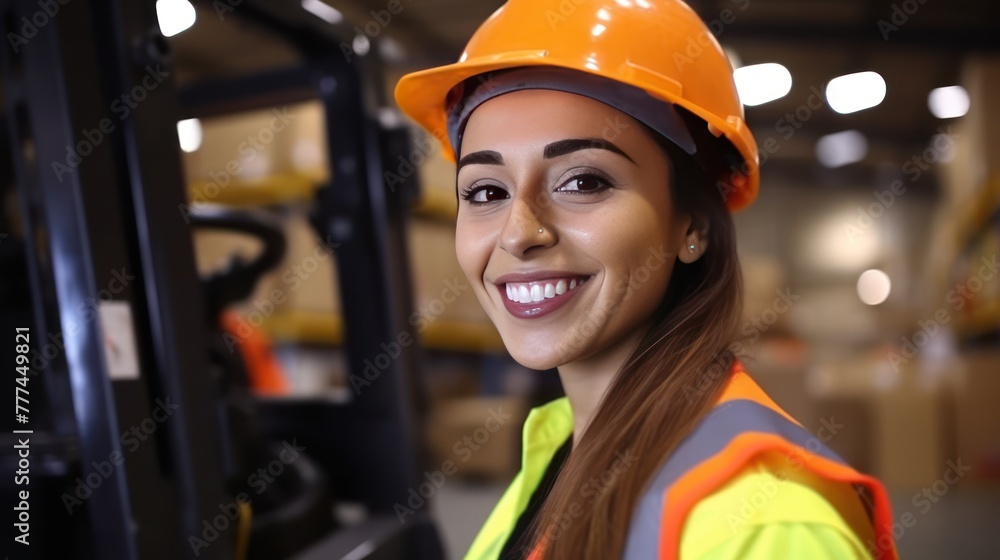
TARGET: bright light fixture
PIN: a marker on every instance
(841, 148)
(174, 16)
(362, 45)
(948, 102)
(323, 11)
(874, 286)
(855, 92)
(760, 83)
(189, 134)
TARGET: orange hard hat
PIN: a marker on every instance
(659, 46)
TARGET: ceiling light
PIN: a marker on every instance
(174, 16)
(760, 83)
(189, 133)
(841, 148)
(948, 102)
(855, 92)
(323, 11)
(874, 286)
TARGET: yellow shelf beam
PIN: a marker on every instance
(982, 320)
(314, 327)
(289, 188)
(280, 188)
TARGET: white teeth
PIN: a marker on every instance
(536, 293)
(533, 292)
(560, 287)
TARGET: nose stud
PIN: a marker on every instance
(540, 230)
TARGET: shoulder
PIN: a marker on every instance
(774, 507)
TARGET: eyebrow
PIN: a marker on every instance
(553, 150)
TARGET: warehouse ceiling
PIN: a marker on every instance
(816, 40)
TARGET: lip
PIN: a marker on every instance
(534, 310)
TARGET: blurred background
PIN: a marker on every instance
(218, 203)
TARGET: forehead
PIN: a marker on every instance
(535, 115)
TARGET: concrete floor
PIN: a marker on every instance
(962, 524)
(461, 509)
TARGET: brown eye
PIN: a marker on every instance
(484, 194)
(585, 184)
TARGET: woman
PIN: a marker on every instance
(600, 149)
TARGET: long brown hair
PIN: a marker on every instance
(662, 390)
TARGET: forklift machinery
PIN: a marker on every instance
(137, 435)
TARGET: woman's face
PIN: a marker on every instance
(565, 224)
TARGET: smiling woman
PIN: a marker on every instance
(595, 180)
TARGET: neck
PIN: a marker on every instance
(586, 381)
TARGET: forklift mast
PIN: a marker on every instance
(126, 446)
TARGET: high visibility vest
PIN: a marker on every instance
(743, 424)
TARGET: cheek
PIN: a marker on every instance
(473, 249)
(627, 236)
(636, 250)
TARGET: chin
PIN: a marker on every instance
(533, 355)
(535, 361)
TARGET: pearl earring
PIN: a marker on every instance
(691, 247)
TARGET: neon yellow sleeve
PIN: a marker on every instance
(776, 509)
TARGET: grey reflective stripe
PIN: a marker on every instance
(712, 435)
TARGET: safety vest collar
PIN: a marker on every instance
(545, 430)
(743, 424)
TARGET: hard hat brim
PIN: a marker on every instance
(422, 95)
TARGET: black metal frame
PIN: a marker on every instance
(115, 211)
(106, 217)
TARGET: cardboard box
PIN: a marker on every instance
(977, 417)
(478, 438)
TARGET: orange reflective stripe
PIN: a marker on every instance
(696, 477)
(742, 386)
(710, 475)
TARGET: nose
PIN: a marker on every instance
(525, 229)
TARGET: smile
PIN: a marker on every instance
(540, 297)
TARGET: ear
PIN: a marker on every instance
(695, 241)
